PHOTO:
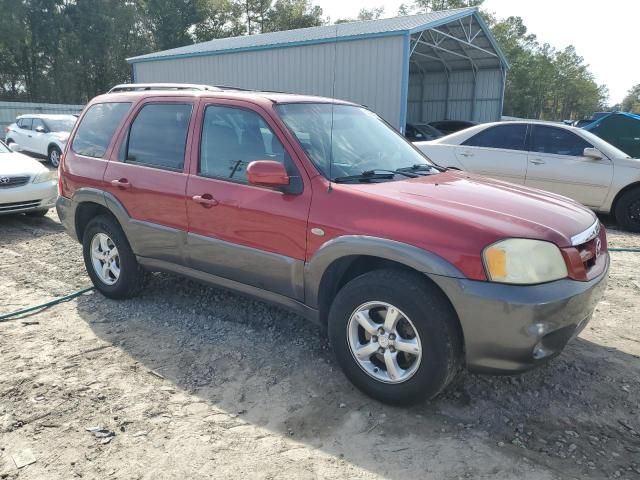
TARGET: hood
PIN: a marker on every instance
(490, 209)
(18, 164)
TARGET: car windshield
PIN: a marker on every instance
(60, 124)
(360, 142)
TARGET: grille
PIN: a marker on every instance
(589, 251)
(6, 182)
(10, 207)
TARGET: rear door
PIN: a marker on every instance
(23, 133)
(497, 152)
(557, 164)
(250, 234)
(147, 176)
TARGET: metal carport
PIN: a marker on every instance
(440, 65)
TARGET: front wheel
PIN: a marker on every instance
(54, 156)
(109, 260)
(396, 336)
(628, 210)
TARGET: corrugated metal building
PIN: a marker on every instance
(441, 65)
(10, 110)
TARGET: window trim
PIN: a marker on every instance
(114, 137)
(125, 139)
(525, 143)
(199, 173)
(553, 127)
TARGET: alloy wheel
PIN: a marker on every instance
(105, 258)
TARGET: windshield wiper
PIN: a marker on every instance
(376, 174)
(421, 167)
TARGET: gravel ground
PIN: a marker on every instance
(188, 381)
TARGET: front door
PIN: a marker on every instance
(148, 178)
(241, 232)
(496, 152)
(557, 164)
(39, 140)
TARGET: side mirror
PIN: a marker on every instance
(41, 129)
(14, 147)
(267, 173)
(593, 153)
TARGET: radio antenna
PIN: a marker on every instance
(333, 98)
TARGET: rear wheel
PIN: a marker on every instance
(109, 260)
(54, 156)
(628, 210)
(396, 336)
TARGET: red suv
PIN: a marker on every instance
(319, 206)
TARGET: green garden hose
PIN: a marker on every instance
(635, 250)
(42, 306)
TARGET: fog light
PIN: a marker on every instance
(540, 351)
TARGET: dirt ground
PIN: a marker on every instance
(188, 381)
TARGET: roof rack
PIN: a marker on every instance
(133, 87)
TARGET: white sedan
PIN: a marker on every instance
(26, 186)
(554, 157)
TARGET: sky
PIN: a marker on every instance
(604, 33)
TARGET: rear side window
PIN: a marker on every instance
(557, 141)
(25, 123)
(234, 137)
(158, 135)
(509, 137)
(97, 128)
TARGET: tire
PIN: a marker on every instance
(627, 211)
(54, 156)
(38, 213)
(431, 316)
(130, 279)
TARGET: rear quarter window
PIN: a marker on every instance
(97, 128)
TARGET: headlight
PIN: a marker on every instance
(522, 261)
(45, 176)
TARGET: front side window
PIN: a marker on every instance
(38, 123)
(234, 137)
(97, 128)
(508, 137)
(344, 140)
(158, 135)
(557, 141)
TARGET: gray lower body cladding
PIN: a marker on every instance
(513, 328)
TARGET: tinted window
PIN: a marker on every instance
(232, 138)
(510, 137)
(557, 141)
(97, 128)
(158, 135)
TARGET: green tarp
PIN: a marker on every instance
(620, 129)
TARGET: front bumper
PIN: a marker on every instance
(66, 210)
(513, 328)
(28, 197)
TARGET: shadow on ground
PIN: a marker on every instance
(577, 416)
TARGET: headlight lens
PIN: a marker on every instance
(523, 261)
(45, 176)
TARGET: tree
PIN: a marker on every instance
(363, 15)
(426, 6)
(292, 14)
(171, 21)
(631, 102)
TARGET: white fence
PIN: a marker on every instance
(10, 110)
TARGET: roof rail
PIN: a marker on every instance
(133, 87)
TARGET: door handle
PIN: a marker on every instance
(122, 184)
(466, 154)
(537, 161)
(206, 200)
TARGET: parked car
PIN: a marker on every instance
(321, 207)
(582, 123)
(26, 186)
(451, 126)
(551, 156)
(43, 135)
(620, 129)
(420, 132)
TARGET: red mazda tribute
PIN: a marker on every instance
(319, 206)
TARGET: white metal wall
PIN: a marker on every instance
(459, 103)
(10, 110)
(368, 72)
